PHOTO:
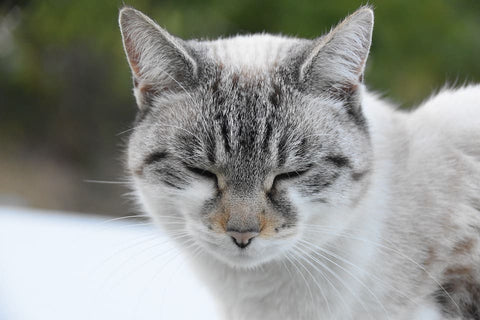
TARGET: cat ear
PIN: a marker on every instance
(337, 60)
(159, 61)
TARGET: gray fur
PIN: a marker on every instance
(273, 143)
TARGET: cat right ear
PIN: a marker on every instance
(336, 61)
(160, 62)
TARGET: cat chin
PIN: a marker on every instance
(241, 259)
(245, 259)
(243, 262)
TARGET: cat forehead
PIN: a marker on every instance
(251, 52)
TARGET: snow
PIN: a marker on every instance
(68, 266)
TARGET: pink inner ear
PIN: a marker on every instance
(133, 56)
(147, 89)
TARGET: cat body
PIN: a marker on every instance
(296, 193)
(398, 254)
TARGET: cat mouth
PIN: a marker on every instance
(243, 259)
(234, 256)
(245, 252)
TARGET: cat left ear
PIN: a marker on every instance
(337, 60)
(159, 61)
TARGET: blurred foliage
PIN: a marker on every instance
(65, 86)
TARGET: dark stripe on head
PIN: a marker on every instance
(210, 147)
(216, 82)
(301, 149)
(338, 160)
(218, 97)
(321, 181)
(151, 158)
(155, 157)
(188, 142)
(316, 183)
(171, 178)
(225, 134)
(357, 176)
(247, 137)
(274, 97)
(235, 79)
(268, 135)
(171, 184)
(282, 150)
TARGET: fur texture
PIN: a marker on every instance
(297, 193)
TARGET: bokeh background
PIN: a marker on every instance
(65, 86)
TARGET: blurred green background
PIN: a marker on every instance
(65, 86)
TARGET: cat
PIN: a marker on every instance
(295, 192)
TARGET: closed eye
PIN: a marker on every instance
(203, 173)
(290, 175)
(285, 176)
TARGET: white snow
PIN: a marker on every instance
(68, 266)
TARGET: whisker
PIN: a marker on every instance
(338, 278)
(178, 269)
(106, 182)
(171, 223)
(135, 216)
(136, 254)
(136, 224)
(153, 278)
(286, 267)
(309, 291)
(377, 279)
(135, 308)
(317, 284)
(143, 240)
(323, 276)
(143, 125)
(382, 246)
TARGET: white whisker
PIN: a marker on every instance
(369, 274)
(309, 291)
(383, 246)
(107, 182)
(146, 249)
(304, 258)
(316, 283)
(338, 278)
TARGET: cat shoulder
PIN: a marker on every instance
(453, 108)
(451, 116)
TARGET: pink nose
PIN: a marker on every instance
(242, 239)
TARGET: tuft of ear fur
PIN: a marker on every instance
(337, 60)
(159, 61)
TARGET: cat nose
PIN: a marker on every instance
(242, 238)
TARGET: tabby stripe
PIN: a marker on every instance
(338, 160)
(225, 132)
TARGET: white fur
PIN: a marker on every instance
(250, 51)
(426, 168)
(269, 292)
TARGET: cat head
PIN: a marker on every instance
(242, 144)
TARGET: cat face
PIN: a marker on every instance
(243, 155)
